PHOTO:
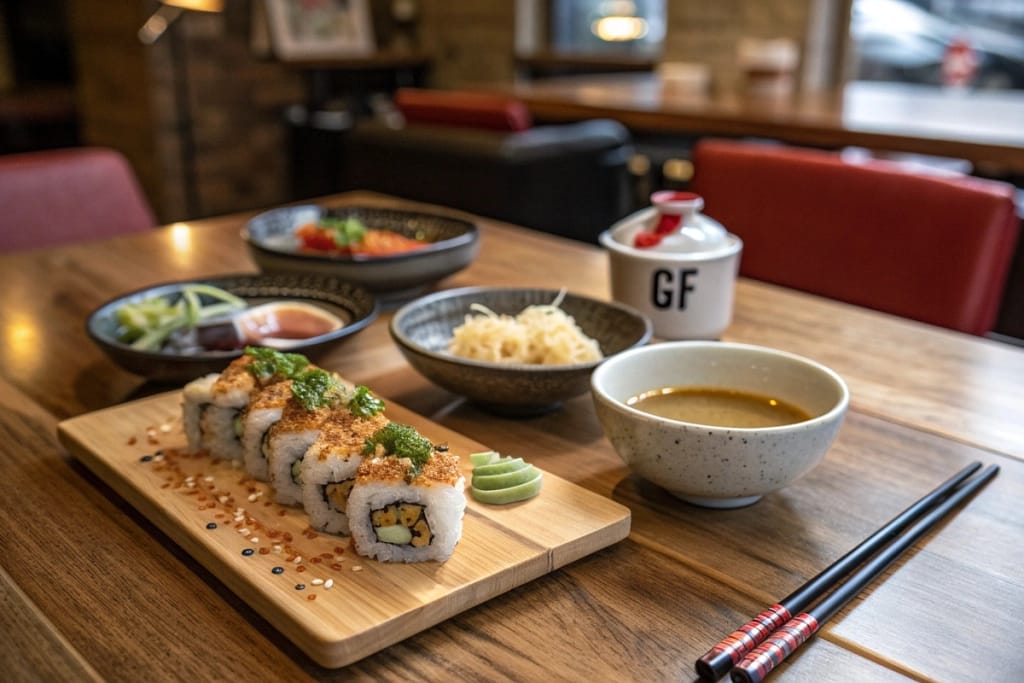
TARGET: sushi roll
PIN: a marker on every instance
(212, 405)
(329, 469)
(287, 442)
(407, 509)
(317, 398)
(263, 411)
(221, 419)
(195, 397)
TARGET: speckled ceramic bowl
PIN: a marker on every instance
(718, 466)
(422, 329)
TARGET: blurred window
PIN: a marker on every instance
(607, 27)
(971, 43)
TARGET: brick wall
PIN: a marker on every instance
(236, 94)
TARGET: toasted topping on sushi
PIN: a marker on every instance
(440, 468)
(295, 417)
(273, 396)
(235, 382)
(268, 365)
(346, 434)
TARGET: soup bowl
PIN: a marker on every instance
(715, 465)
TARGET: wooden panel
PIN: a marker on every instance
(370, 605)
(32, 649)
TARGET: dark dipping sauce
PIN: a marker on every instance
(718, 407)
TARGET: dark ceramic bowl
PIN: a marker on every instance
(453, 244)
(422, 329)
(355, 306)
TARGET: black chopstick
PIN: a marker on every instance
(761, 660)
(723, 656)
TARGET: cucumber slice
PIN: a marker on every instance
(397, 534)
(510, 495)
(493, 482)
(505, 464)
(484, 458)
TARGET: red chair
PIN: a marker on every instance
(69, 195)
(930, 248)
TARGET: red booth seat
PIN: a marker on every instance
(462, 109)
(929, 248)
(69, 195)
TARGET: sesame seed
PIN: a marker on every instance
(278, 570)
(247, 552)
(165, 428)
(328, 583)
(297, 559)
(277, 548)
(244, 531)
(254, 539)
(223, 499)
(317, 582)
(211, 525)
(300, 586)
(207, 479)
(357, 568)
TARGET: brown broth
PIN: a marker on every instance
(718, 407)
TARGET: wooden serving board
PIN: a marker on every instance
(348, 606)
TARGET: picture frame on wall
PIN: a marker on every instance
(320, 29)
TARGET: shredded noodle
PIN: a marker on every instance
(538, 335)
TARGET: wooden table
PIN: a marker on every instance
(91, 589)
(981, 127)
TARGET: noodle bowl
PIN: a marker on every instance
(424, 330)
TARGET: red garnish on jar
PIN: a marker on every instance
(644, 240)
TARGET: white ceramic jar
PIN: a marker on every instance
(684, 284)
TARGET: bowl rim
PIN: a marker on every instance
(105, 341)
(445, 294)
(836, 411)
(466, 238)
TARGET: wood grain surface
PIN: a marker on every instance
(109, 587)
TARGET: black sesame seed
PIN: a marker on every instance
(211, 525)
(300, 586)
(146, 458)
(278, 570)
(248, 551)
